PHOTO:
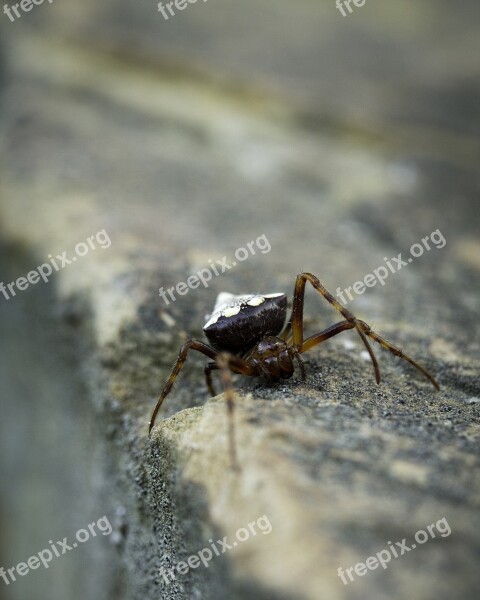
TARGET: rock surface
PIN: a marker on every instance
(341, 141)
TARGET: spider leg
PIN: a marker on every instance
(397, 352)
(300, 364)
(286, 334)
(177, 367)
(351, 322)
(297, 315)
(226, 363)
(208, 377)
(326, 334)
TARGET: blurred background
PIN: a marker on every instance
(343, 140)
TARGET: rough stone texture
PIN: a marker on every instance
(344, 141)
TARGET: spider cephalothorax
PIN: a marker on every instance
(250, 335)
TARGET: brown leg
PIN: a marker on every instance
(351, 322)
(226, 363)
(208, 377)
(297, 315)
(326, 334)
(397, 352)
(300, 364)
(182, 357)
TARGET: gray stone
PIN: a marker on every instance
(342, 141)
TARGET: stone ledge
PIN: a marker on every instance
(338, 465)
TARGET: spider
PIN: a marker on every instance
(248, 336)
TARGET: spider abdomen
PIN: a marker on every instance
(240, 322)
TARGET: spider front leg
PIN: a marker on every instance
(297, 315)
(350, 322)
(182, 357)
(397, 352)
(226, 363)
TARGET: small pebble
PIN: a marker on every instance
(472, 400)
